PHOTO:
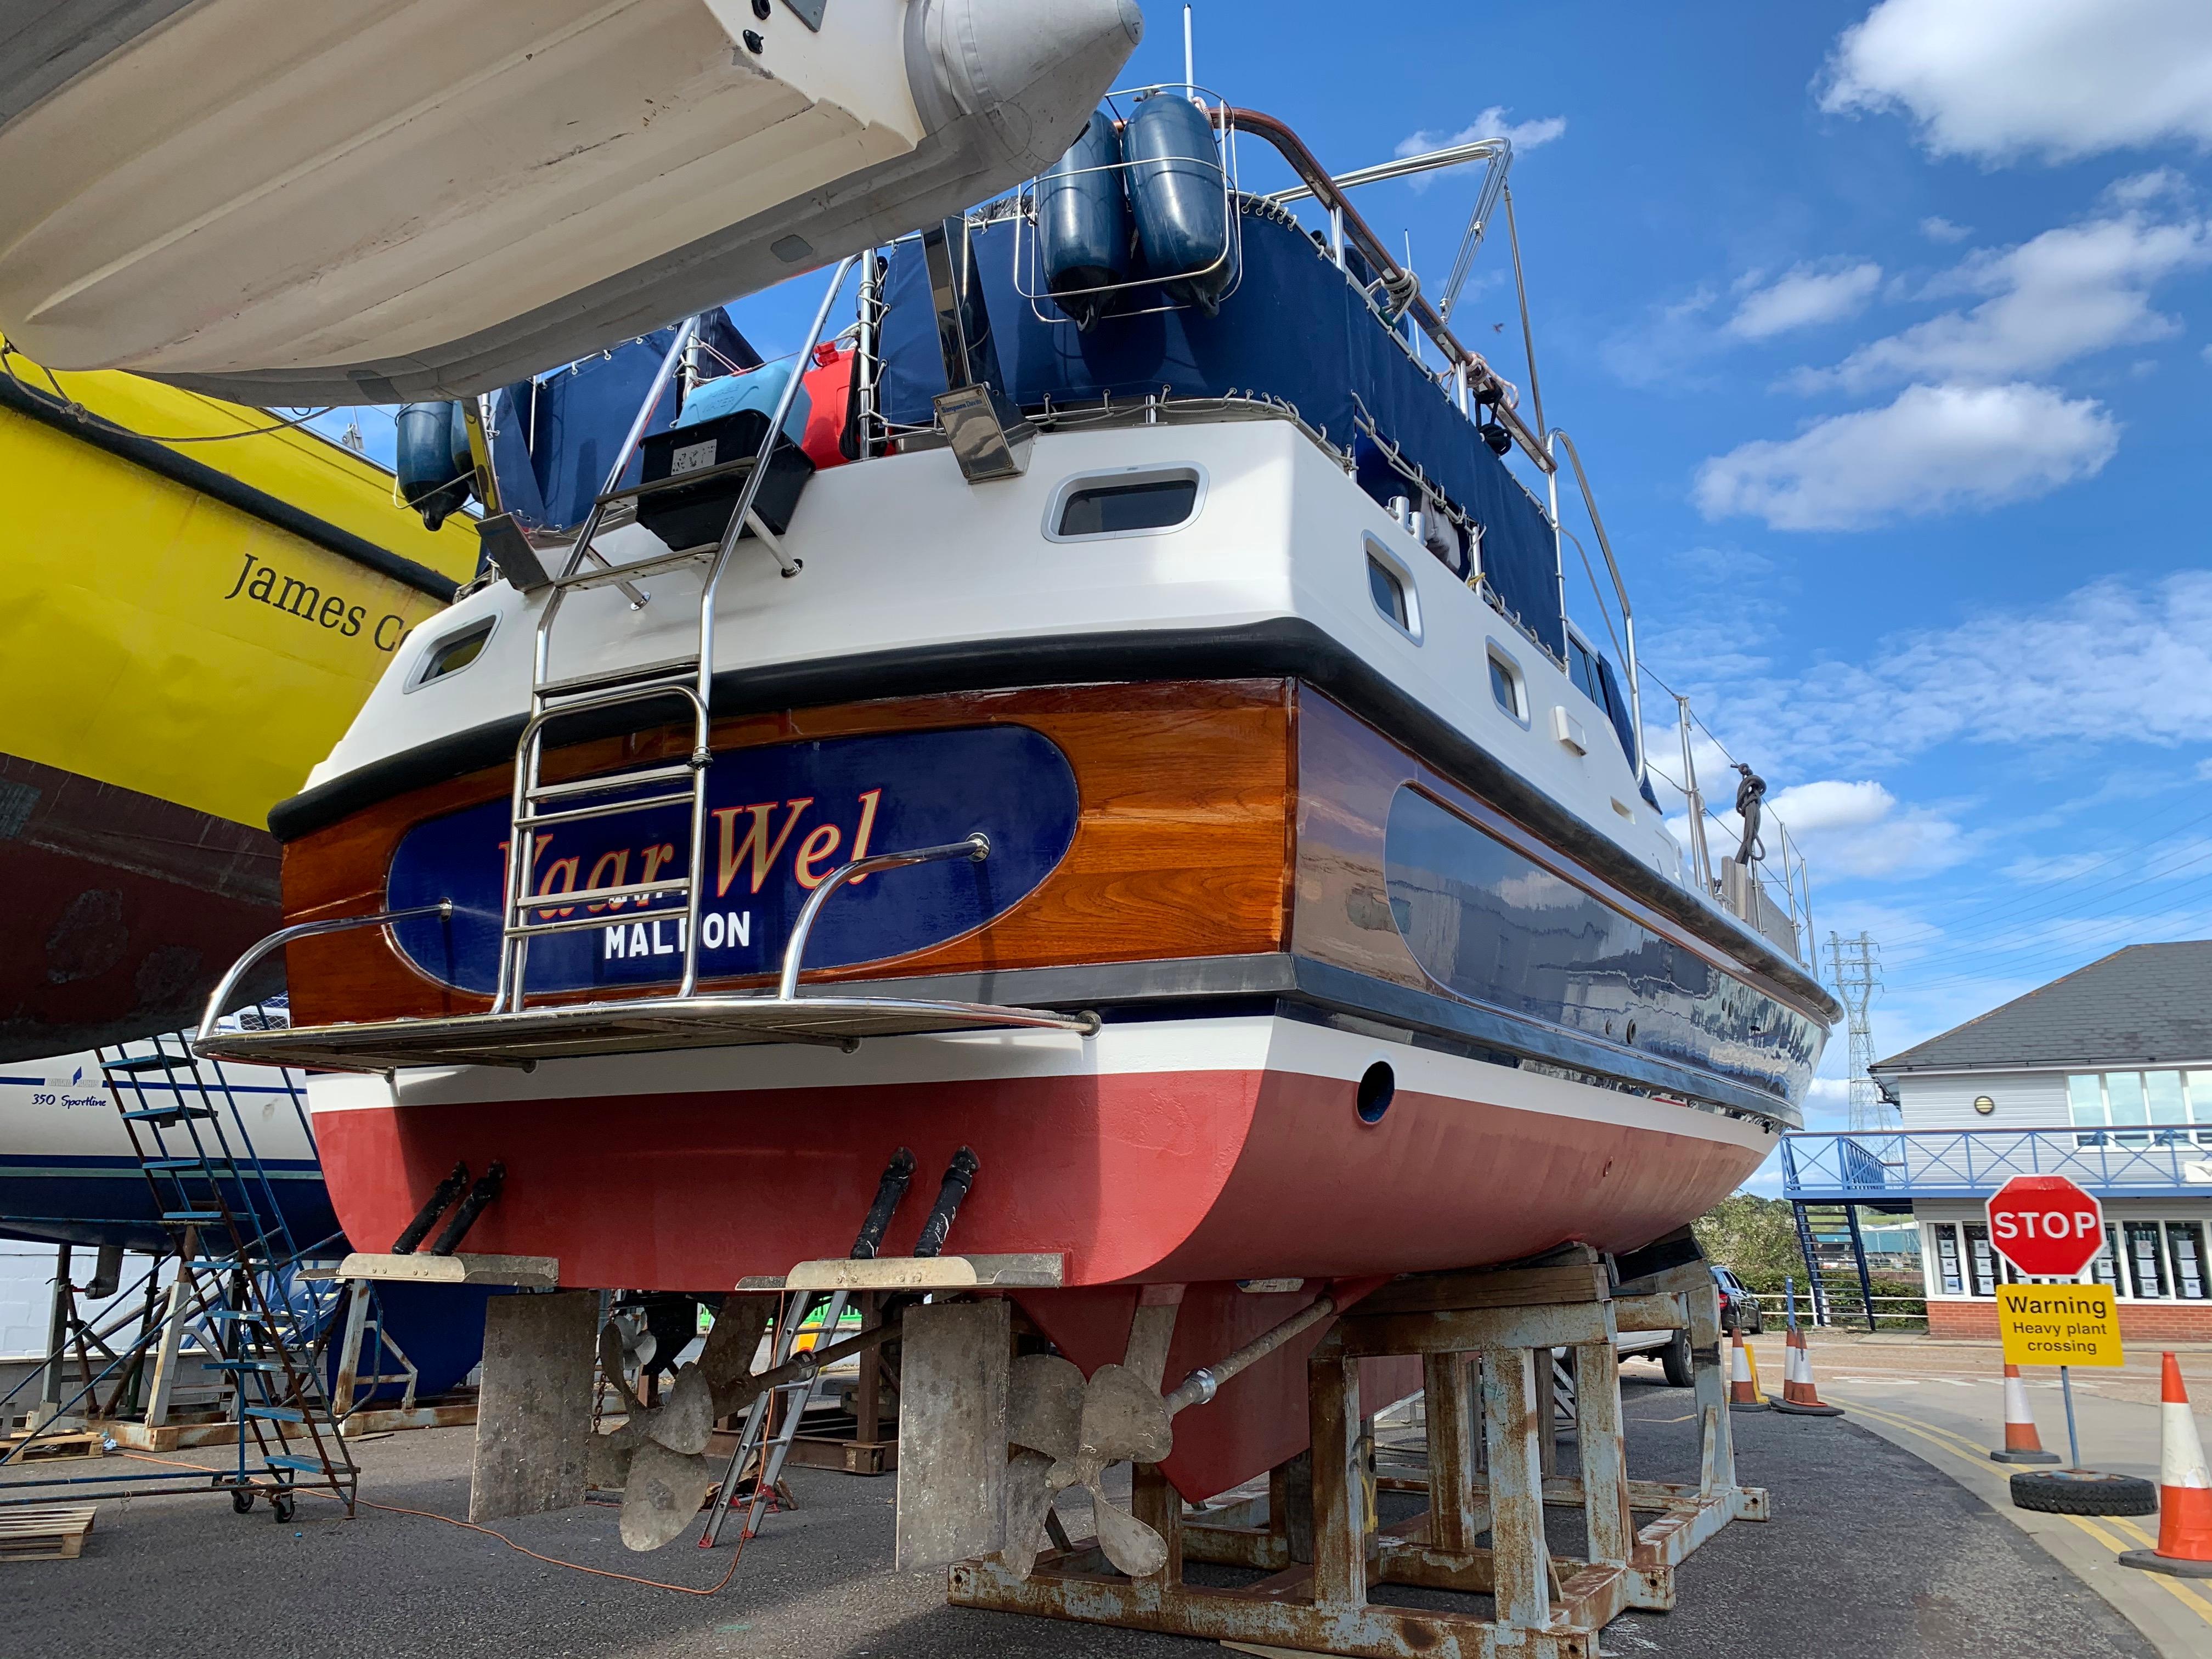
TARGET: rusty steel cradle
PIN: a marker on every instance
(1485, 1339)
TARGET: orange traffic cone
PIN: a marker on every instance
(1743, 1385)
(2022, 1443)
(1799, 1397)
(2185, 1489)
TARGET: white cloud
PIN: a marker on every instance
(2111, 661)
(1937, 228)
(1935, 449)
(2040, 869)
(2057, 78)
(1832, 804)
(1856, 828)
(1803, 296)
(1491, 123)
(2072, 291)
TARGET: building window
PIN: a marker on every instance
(2146, 1261)
(2184, 1248)
(2085, 1105)
(1982, 1261)
(2146, 1108)
(1948, 1277)
(2162, 1094)
(2142, 1260)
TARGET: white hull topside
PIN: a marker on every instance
(1278, 533)
(63, 1108)
(358, 204)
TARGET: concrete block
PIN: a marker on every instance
(534, 1410)
(953, 1368)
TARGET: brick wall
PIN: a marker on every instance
(2139, 1321)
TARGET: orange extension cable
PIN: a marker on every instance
(432, 1515)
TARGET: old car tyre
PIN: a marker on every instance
(2083, 1492)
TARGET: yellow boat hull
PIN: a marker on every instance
(185, 629)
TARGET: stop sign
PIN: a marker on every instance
(2046, 1225)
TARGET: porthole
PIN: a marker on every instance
(1390, 586)
(448, 656)
(1509, 687)
(1136, 502)
(1377, 1083)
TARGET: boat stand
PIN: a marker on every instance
(1483, 1338)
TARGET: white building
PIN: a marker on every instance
(2104, 1076)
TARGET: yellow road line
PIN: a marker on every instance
(2194, 1600)
(1957, 1445)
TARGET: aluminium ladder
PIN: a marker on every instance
(686, 680)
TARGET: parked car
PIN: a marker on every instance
(1739, 1309)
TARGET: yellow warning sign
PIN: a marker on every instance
(2059, 1325)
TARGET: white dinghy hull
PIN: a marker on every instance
(286, 203)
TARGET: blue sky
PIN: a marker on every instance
(1886, 338)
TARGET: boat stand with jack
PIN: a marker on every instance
(1481, 1337)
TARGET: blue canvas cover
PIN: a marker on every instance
(1296, 328)
(557, 435)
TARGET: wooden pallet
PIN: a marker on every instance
(41, 1448)
(46, 1533)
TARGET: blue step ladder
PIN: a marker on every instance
(264, 1323)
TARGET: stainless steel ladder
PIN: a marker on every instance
(687, 680)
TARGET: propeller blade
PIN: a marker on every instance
(1130, 1545)
(686, 1416)
(663, 1496)
(606, 1459)
(1044, 1405)
(1124, 1420)
(610, 1363)
(732, 1343)
(1029, 1500)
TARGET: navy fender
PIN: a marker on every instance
(1178, 198)
(436, 475)
(1082, 221)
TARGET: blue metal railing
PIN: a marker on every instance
(1873, 1166)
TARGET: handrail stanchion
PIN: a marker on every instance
(283, 936)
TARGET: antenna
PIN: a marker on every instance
(1857, 965)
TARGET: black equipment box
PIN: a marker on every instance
(694, 474)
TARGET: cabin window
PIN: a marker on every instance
(454, 653)
(1581, 664)
(1124, 504)
(1391, 586)
(1507, 687)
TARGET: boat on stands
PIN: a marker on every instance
(1147, 771)
(196, 598)
(370, 204)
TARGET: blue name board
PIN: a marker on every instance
(780, 819)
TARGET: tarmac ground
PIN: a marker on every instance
(1873, 1552)
(1942, 1400)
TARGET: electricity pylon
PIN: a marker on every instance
(1856, 964)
